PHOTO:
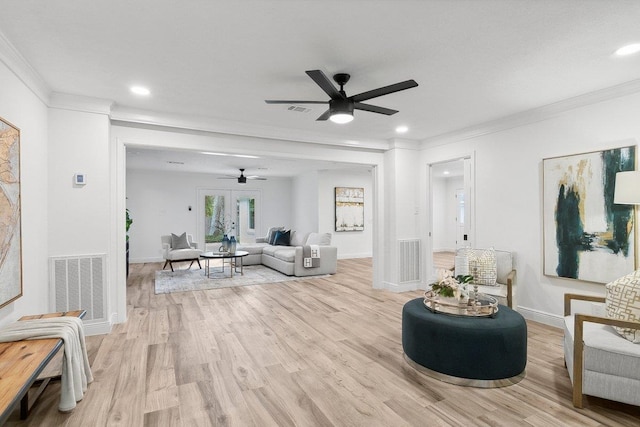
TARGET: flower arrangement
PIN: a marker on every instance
(451, 286)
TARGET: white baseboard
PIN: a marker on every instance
(405, 287)
(100, 328)
(144, 260)
(541, 317)
(350, 256)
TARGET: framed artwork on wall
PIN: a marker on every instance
(10, 214)
(349, 209)
(585, 235)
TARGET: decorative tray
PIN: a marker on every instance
(481, 306)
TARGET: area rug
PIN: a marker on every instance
(168, 281)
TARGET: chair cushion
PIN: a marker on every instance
(179, 242)
(482, 265)
(605, 351)
(321, 239)
(179, 254)
(623, 302)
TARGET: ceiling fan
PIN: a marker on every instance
(243, 179)
(340, 106)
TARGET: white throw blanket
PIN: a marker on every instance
(76, 372)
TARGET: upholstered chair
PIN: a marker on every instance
(178, 249)
(600, 361)
(503, 287)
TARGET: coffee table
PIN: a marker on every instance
(233, 258)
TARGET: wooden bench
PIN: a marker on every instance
(21, 362)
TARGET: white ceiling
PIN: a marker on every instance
(217, 61)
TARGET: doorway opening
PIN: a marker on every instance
(451, 203)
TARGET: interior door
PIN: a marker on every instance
(461, 236)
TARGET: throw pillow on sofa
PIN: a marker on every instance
(282, 238)
(271, 236)
(297, 238)
(321, 239)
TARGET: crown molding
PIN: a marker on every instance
(407, 144)
(534, 115)
(85, 104)
(236, 128)
(19, 66)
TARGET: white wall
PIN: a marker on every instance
(158, 203)
(350, 244)
(305, 209)
(508, 181)
(78, 215)
(21, 107)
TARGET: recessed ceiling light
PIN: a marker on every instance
(629, 49)
(445, 173)
(139, 90)
(213, 154)
(245, 156)
(402, 129)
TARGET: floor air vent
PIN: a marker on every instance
(409, 258)
(78, 282)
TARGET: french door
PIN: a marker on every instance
(232, 212)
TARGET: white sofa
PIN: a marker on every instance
(289, 259)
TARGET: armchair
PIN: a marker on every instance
(505, 287)
(600, 362)
(184, 252)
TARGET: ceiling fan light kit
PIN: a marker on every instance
(341, 111)
(242, 179)
(340, 106)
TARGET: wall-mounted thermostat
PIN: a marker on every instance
(80, 179)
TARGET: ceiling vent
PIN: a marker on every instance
(298, 109)
(171, 162)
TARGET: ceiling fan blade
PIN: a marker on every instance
(408, 84)
(323, 81)
(324, 115)
(276, 101)
(374, 108)
(256, 178)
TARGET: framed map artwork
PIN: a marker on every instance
(10, 216)
(349, 209)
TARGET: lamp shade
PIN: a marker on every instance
(627, 191)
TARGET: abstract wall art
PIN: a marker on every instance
(349, 209)
(586, 236)
(10, 214)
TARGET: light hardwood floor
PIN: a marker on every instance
(314, 352)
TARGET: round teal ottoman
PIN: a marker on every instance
(474, 351)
